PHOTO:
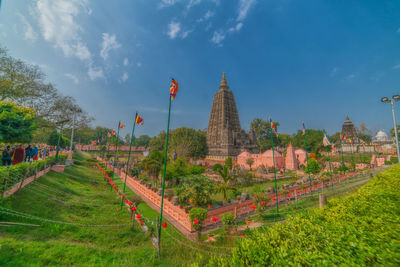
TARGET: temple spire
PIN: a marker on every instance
(224, 83)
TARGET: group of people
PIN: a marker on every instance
(18, 154)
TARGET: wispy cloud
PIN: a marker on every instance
(173, 29)
(350, 76)
(109, 43)
(192, 3)
(236, 28)
(167, 3)
(126, 62)
(95, 72)
(244, 7)
(29, 33)
(185, 34)
(396, 67)
(124, 77)
(218, 37)
(72, 77)
(206, 16)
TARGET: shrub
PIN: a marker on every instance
(200, 214)
(228, 220)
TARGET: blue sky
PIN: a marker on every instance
(314, 61)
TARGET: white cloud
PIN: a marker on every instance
(95, 72)
(244, 7)
(167, 3)
(350, 76)
(206, 16)
(236, 28)
(185, 34)
(72, 77)
(192, 3)
(395, 67)
(125, 76)
(109, 43)
(126, 62)
(58, 26)
(29, 33)
(218, 37)
(173, 29)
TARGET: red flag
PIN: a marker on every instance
(114, 133)
(121, 126)
(173, 89)
(138, 119)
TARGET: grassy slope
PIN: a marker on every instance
(72, 197)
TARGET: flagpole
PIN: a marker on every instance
(330, 167)
(351, 150)
(273, 160)
(308, 166)
(129, 156)
(165, 168)
(116, 150)
(341, 150)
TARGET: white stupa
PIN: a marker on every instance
(381, 136)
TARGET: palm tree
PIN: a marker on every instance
(225, 186)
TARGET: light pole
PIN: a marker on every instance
(75, 110)
(387, 100)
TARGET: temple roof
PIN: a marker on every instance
(224, 83)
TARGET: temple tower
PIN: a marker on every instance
(291, 160)
(349, 130)
(225, 136)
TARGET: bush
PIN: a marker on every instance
(200, 214)
(394, 160)
(361, 229)
(228, 220)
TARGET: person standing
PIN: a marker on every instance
(35, 153)
(18, 155)
(6, 157)
(28, 153)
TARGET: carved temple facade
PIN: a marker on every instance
(225, 137)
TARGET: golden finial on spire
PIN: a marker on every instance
(224, 83)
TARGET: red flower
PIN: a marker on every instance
(215, 219)
(274, 199)
(229, 201)
(298, 192)
(130, 203)
(305, 190)
(126, 201)
(164, 225)
(134, 209)
(138, 216)
(116, 189)
(253, 207)
(316, 185)
(195, 221)
(186, 211)
(123, 196)
(262, 203)
(288, 195)
(181, 207)
(238, 199)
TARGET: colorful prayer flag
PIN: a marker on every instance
(326, 141)
(272, 124)
(114, 133)
(108, 134)
(173, 89)
(139, 120)
(121, 126)
(304, 129)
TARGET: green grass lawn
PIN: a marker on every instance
(80, 197)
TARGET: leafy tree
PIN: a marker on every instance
(127, 139)
(262, 131)
(53, 139)
(197, 190)
(364, 133)
(142, 140)
(392, 131)
(228, 163)
(314, 140)
(186, 142)
(225, 186)
(17, 123)
(335, 138)
(314, 167)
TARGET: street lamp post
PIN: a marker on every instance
(72, 136)
(387, 100)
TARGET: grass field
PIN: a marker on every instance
(72, 199)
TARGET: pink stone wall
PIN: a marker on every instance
(264, 159)
(301, 156)
(112, 148)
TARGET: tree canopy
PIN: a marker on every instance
(17, 123)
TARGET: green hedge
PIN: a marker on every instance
(19, 171)
(358, 230)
